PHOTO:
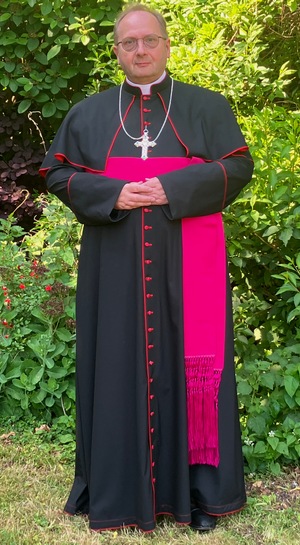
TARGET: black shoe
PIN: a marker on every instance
(201, 521)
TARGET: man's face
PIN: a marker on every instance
(143, 65)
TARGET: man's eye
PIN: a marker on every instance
(128, 42)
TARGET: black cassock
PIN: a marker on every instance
(132, 460)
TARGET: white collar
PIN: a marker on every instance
(146, 88)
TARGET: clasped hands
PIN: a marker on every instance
(137, 194)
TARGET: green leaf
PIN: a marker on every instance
(14, 393)
(24, 402)
(38, 397)
(106, 23)
(53, 51)
(260, 448)
(257, 424)
(275, 468)
(286, 235)
(4, 80)
(85, 40)
(282, 448)
(49, 401)
(3, 379)
(33, 43)
(66, 438)
(62, 104)
(58, 372)
(271, 230)
(41, 58)
(64, 334)
(9, 67)
(13, 86)
(48, 109)
(20, 51)
(24, 105)
(35, 375)
(244, 388)
(268, 380)
(42, 97)
(273, 442)
(46, 7)
(291, 385)
(4, 17)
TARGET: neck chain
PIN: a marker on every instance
(143, 141)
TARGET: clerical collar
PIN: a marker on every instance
(146, 88)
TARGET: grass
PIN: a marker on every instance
(36, 475)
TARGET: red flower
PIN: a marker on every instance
(48, 288)
(22, 286)
(7, 300)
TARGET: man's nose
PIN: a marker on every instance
(140, 46)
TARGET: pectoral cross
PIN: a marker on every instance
(145, 143)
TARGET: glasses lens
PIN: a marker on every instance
(151, 40)
(129, 44)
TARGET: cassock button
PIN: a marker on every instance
(152, 413)
(148, 278)
(147, 210)
(148, 227)
(153, 464)
(150, 346)
(154, 481)
(145, 97)
(149, 295)
(151, 397)
(148, 244)
(146, 110)
(150, 329)
(151, 362)
(152, 447)
(151, 380)
(148, 261)
(150, 312)
(152, 430)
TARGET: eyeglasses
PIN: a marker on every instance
(151, 41)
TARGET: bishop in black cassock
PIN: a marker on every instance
(132, 459)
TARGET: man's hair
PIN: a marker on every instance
(140, 7)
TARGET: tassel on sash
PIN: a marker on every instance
(202, 386)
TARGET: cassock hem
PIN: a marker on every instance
(145, 527)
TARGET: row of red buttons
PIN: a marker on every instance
(150, 330)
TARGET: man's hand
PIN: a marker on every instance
(134, 195)
(158, 193)
(138, 194)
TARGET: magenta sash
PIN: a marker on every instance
(204, 300)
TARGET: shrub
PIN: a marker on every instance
(37, 319)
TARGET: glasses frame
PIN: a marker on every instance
(136, 40)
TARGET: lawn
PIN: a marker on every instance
(36, 474)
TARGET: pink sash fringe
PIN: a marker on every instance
(204, 297)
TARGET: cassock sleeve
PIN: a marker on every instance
(208, 187)
(91, 197)
(72, 174)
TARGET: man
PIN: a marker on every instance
(147, 167)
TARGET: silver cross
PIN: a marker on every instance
(145, 143)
